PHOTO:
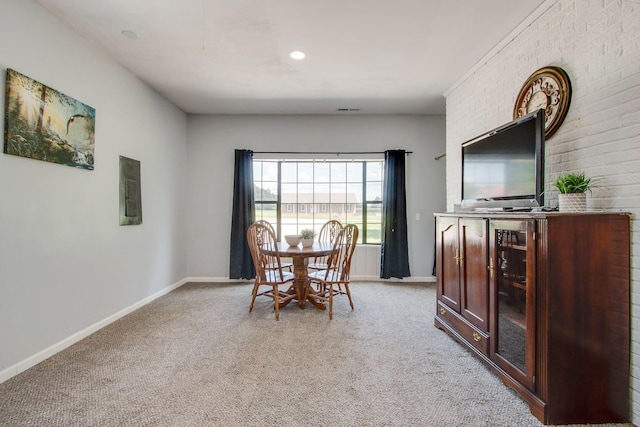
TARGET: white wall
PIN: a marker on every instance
(597, 43)
(65, 263)
(211, 144)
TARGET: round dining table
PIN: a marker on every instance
(300, 256)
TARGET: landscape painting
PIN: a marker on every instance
(44, 124)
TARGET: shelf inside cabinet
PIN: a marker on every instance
(513, 246)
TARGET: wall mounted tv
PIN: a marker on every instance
(504, 168)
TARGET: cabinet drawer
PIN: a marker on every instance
(474, 336)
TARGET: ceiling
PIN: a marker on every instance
(231, 56)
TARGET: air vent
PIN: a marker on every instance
(346, 110)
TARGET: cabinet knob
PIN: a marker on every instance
(443, 311)
(476, 337)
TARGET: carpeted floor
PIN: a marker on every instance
(197, 357)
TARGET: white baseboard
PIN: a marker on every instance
(411, 279)
(216, 280)
(69, 341)
(356, 278)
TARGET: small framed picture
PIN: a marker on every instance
(130, 192)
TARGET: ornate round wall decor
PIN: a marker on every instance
(548, 88)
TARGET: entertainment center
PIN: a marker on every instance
(541, 297)
(543, 300)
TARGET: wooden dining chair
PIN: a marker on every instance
(285, 264)
(268, 267)
(328, 234)
(331, 280)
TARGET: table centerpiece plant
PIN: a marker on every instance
(307, 235)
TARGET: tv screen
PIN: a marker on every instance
(505, 167)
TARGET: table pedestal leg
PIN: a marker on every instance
(303, 288)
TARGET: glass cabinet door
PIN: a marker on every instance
(512, 275)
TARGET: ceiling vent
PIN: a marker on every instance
(347, 110)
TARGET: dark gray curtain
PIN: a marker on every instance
(395, 250)
(243, 215)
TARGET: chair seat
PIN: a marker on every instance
(283, 265)
(330, 277)
(272, 276)
(318, 266)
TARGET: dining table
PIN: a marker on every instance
(300, 256)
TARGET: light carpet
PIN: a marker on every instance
(197, 357)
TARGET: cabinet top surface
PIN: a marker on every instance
(528, 214)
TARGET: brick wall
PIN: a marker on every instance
(597, 42)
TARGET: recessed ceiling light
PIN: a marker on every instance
(297, 54)
(129, 34)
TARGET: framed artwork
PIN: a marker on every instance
(44, 124)
(130, 192)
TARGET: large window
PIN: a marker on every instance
(295, 194)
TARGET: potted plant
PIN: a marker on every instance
(307, 235)
(573, 187)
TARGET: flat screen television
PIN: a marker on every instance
(504, 168)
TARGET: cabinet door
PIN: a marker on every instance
(513, 280)
(447, 258)
(474, 275)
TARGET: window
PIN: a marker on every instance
(313, 192)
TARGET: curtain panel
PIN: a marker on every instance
(394, 248)
(243, 215)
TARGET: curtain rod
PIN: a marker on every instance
(324, 152)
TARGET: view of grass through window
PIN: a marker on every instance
(294, 195)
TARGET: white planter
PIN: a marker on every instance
(572, 202)
(307, 242)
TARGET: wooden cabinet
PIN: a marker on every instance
(465, 278)
(544, 300)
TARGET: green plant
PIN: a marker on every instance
(573, 183)
(307, 233)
